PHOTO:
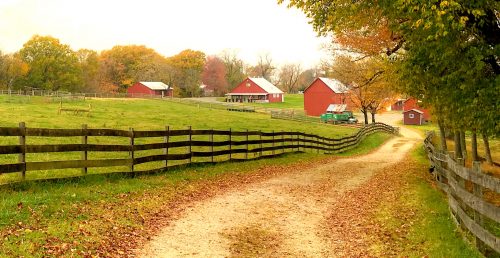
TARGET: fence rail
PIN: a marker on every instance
(466, 190)
(230, 143)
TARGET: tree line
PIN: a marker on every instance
(45, 63)
(445, 53)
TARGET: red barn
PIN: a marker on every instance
(398, 105)
(412, 103)
(255, 90)
(150, 88)
(413, 117)
(321, 93)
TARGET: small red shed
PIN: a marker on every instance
(412, 103)
(413, 117)
(322, 93)
(150, 88)
(255, 90)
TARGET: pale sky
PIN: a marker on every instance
(251, 27)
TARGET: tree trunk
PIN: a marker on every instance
(474, 146)
(442, 131)
(487, 149)
(458, 148)
(463, 144)
(365, 114)
(373, 118)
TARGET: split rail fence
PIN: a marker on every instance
(466, 190)
(169, 146)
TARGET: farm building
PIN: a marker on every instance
(255, 90)
(413, 117)
(322, 93)
(398, 105)
(412, 103)
(150, 88)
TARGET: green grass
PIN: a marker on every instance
(292, 101)
(130, 113)
(432, 232)
(370, 143)
(35, 214)
(69, 217)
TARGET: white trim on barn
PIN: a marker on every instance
(156, 85)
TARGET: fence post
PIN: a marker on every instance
(478, 218)
(131, 154)
(22, 143)
(273, 142)
(84, 143)
(246, 153)
(190, 145)
(282, 141)
(317, 143)
(260, 141)
(230, 144)
(166, 140)
(212, 144)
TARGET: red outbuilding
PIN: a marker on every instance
(150, 88)
(398, 105)
(412, 103)
(413, 117)
(322, 93)
(255, 90)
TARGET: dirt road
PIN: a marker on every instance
(285, 215)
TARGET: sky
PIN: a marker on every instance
(249, 27)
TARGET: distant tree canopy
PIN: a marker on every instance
(52, 65)
(45, 63)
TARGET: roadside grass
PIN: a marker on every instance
(421, 219)
(104, 215)
(370, 143)
(494, 147)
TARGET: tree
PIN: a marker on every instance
(235, 68)
(214, 75)
(288, 77)
(264, 68)
(369, 83)
(125, 65)
(450, 51)
(188, 65)
(306, 78)
(89, 65)
(12, 71)
(52, 65)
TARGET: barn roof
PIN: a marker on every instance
(416, 110)
(336, 108)
(266, 85)
(334, 84)
(156, 85)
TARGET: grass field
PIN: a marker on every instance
(81, 217)
(124, 114)
(292, 101)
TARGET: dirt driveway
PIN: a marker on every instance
(288, 212)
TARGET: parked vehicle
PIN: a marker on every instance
(339, 117)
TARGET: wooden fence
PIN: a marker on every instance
(466, 189)
(230, 145)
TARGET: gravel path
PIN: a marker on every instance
(292, 208)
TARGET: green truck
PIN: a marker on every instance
(339, 117)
